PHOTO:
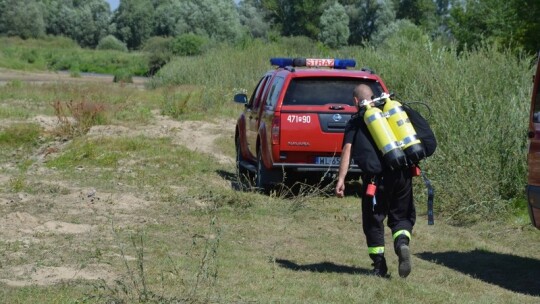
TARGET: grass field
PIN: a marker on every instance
(141, 207)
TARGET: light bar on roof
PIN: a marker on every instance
(313, 62)
(281, 62)
(344, 63)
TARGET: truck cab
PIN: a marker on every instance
(533, 156)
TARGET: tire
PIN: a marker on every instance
(243, 175)
(265, 179)
(261, 176)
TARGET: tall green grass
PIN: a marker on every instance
(478, 100)
(224, 71)
(479, 111)
(62, 54)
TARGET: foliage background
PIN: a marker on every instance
(469, 61)
(186, 234)
(513, 24)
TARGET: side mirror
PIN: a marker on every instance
(241, 98)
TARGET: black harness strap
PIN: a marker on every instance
(431, 194)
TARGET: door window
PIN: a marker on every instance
(258, 92)
(275, 90)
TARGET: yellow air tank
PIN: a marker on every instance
(403, 130)
(385, 140)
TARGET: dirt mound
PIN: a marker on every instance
(80, 213)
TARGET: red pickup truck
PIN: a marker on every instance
(533, 157)
(293, 122)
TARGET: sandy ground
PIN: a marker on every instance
(24, 224)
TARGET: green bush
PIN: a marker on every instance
(157, 44)
(158, 51)
(30, 56)
(123, 75)
(111, 43)
(188, 45)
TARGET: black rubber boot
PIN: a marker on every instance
(401, 246)
(379, 265)
(400, 241)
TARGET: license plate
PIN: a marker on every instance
(327, 160)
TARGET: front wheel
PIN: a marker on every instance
(243, 175)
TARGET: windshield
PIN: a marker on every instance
(325, 90)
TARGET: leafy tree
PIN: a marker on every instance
(419, 12)
(528, 24)
(442, 17)
(252, 17)
(93, 18)
(295, 17)
(23, 18)
(493, 21)
(367, 17)
(466, 27)
(216, 19)
(386, 14)
(166, 17)
(83, 21)
(133, 22)
(442, 7)
(509, 23)
(60, 17)
(335, 26)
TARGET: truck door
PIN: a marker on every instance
(533, 157)
(252, 115)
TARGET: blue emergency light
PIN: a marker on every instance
(281, 62)
(344, 63)
(313, 62)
